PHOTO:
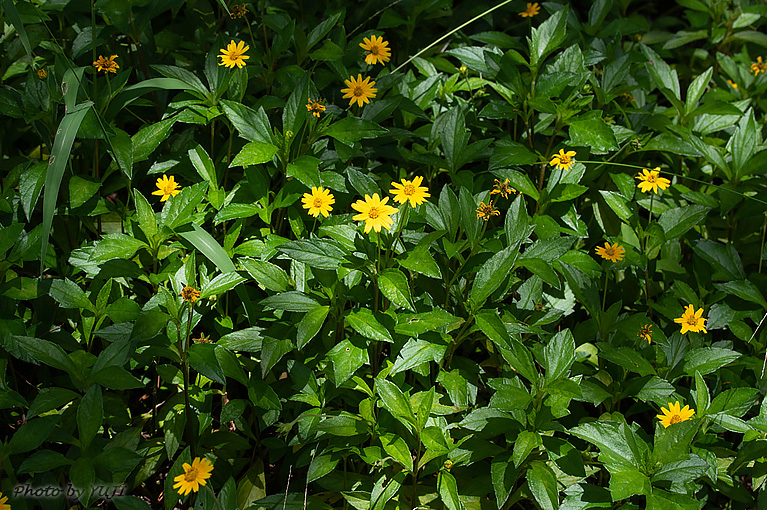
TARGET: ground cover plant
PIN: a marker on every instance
(442, 254)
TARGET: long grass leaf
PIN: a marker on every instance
(13, 15)
(129, 94)
(70, 85)
(57, 164)
(208, 246)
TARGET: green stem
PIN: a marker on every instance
(215, 500)
(604, 292)
(187, 407)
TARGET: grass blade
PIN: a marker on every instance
(209, 247)
(57, 164)
(13, 15)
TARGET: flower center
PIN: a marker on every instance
(676, 418)
(610, 252)
(565, 159)
(374, 50)
(191, 475)
(359, 91)
(373, 213)
(318, 202)
(652, 178)
(692, 320)
(408, 189)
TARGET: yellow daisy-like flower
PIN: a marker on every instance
(563, 160)
(194, 476)
(732, 84)
(108, 65)
(359, 90)
(42, 74)
(503, 188)
(645, 333)
(532, 10)
(4, 502)
(675, 414)
(377, 50)
(374, 212)
(315, 107)
(318, 201)
(485, 211)
(410, 190)
(190, 294)
(651, 180)
(234, 55)
(238, 11)
(612, 253)
(692, 320)
(167, 187)
(758, 66)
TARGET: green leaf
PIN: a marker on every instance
(364, 322)
(519, 182)
(547, 37)
(627, 481)
(310, 325)
(321, 465)
(43, 461)
(57, 164)
(708, 359)
(491, 325)
(504, 475)
(150, 137)
(491, 275)
(420, 260)
(49, 399)
(393, 284)
(178, 210)
(618, 443)
(203, 359)
(204, 165)
(665, 500)
(414, 324)
(117, 246)
(69, 295)
(744, 289)
(416, 352)
(90, 414)
(13, 15)
(255, 153)
(540, 268)
(696, 89)
(525, 443)
(147, 219)
(32, 434)
(543, 484)
(722, 257)
(347, 357)
(319, 253)
(448, 491)
(744, 142)
(507, 154)
(594, 133)
(251, 125)
(221, 284)
(397, 448)
(559, 355)
(676, 222)
(350, 129)
(620, 206)
(306, 170)
(267, 274)
(291, 301)
(395, 401)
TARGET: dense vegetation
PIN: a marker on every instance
(441, 254)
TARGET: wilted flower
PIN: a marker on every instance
(108, 65)
(645, 333)
(315, 107)
(503, 188)
(485, 211)
(758, 66)
(190, 294)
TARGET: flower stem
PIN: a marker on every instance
(215, 499)
(187, 407)
(604, 291)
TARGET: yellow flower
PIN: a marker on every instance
(651, 180)
(108, 65)
(194, 476)
(42, 74)
(612, 253)
(645, 333)
(563, 160)
(4, 502)
(503, 188)
(485, 211)
(675, 414)
(234, 55)
(238, 11)
(692, 320)
(167, 187)
(532, 10)
(732, 84)
(448, 464)
(377, 50)
(316, 107)
(359, 90)
(374, 212)
(190, 294)
(758, 66)
(410, 190)
(318, 201)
